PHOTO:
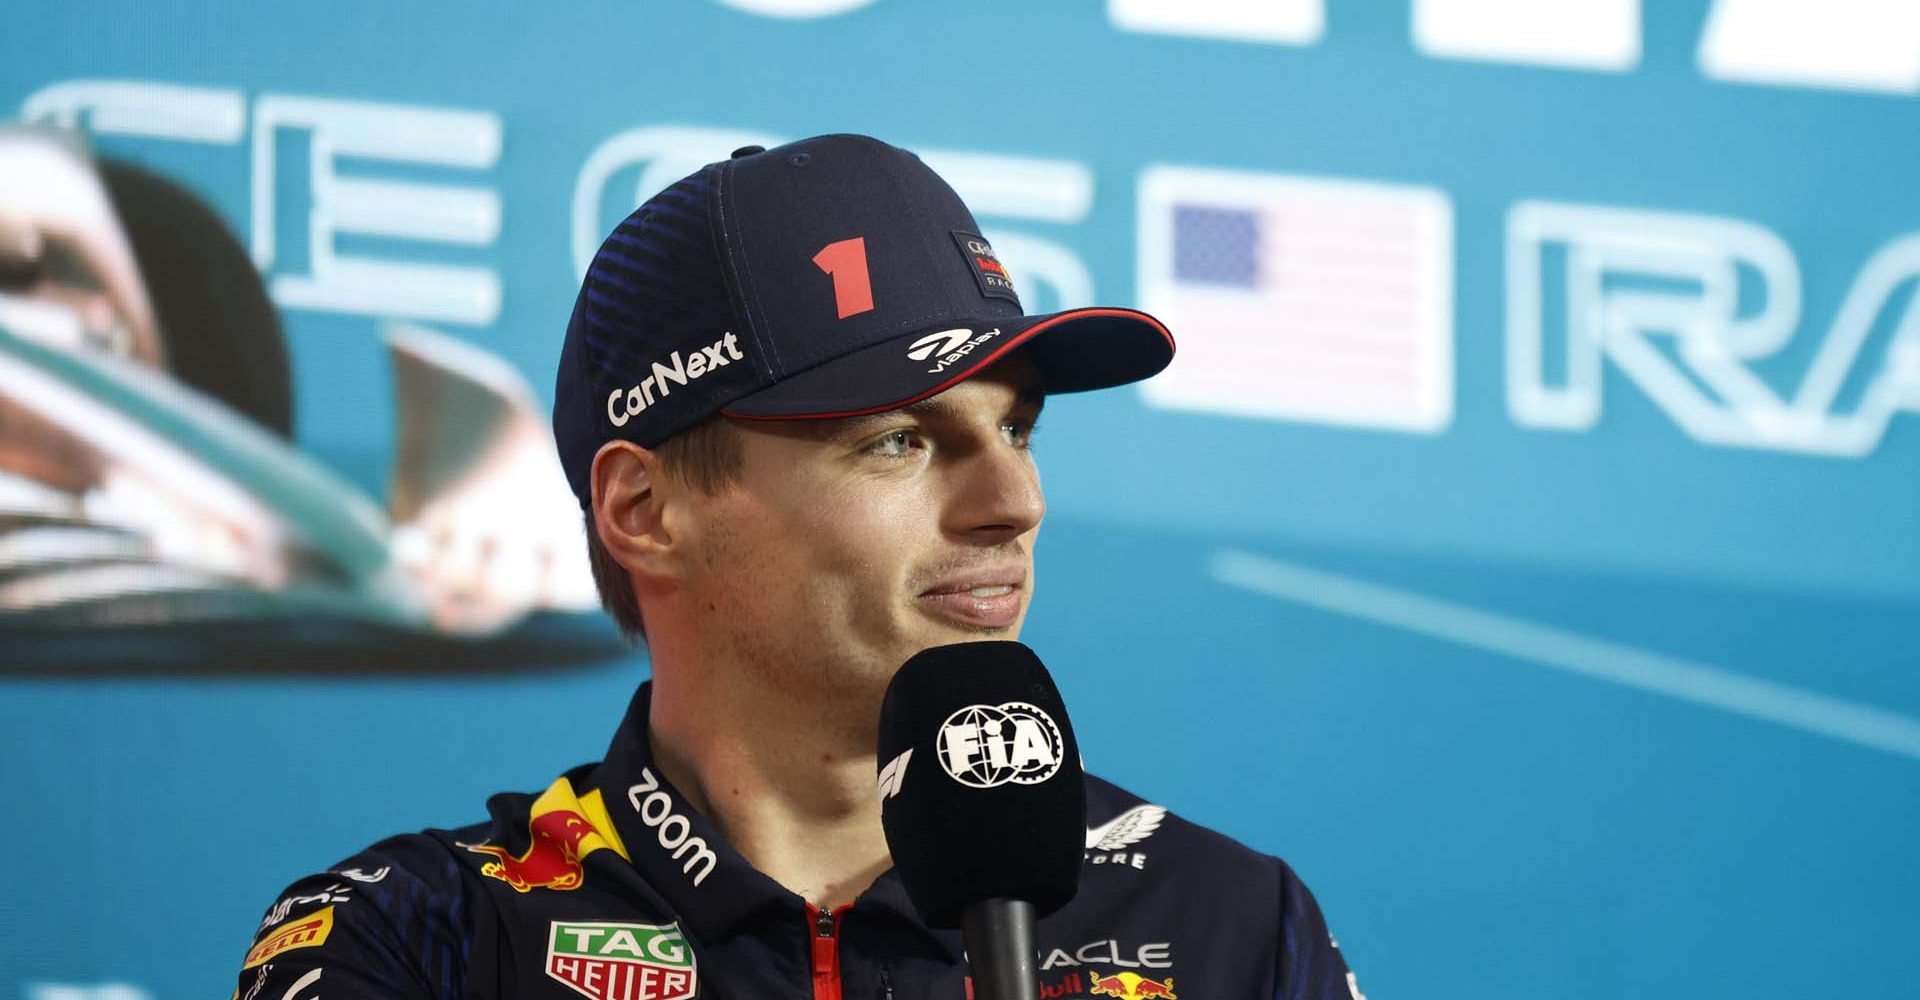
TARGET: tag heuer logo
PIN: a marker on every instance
(622, 961)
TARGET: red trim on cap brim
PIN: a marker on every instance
(1019, 338)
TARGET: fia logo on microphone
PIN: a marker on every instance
(984, 746)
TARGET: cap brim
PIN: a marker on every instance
(1074, 351)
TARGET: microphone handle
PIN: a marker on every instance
(1000, 949)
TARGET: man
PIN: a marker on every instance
(795, 401)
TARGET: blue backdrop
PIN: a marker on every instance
(1523, 546)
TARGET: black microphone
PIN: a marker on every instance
(983, 801)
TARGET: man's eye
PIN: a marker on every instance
(896, 444)
(1020, 432)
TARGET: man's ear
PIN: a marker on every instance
(629, 504)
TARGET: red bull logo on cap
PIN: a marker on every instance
(1132, 986)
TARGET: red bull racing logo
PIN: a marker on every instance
(551, 861)
(1132, 986)
(992, 275)
(563, 830)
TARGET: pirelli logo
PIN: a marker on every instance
(307, 932)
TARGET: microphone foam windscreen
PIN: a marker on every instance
(981, 791)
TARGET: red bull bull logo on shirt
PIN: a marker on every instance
(561, 836)
(1132, 986)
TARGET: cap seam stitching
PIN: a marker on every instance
(750, 295)
(925, 221)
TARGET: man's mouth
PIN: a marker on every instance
(984, 598)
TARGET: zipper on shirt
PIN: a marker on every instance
(825, 928)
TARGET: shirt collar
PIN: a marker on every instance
(677, 850)
(683, 857)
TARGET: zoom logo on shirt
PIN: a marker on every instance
(675, 831)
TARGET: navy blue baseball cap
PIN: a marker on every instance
(831, 277)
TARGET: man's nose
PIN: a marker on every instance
(998, 496)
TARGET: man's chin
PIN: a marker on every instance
(949, 633)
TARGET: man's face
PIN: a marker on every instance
(849, 545)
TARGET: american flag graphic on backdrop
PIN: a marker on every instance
(1298, 298)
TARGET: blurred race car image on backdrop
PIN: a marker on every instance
(150, 488)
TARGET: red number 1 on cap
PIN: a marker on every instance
(846, 260)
